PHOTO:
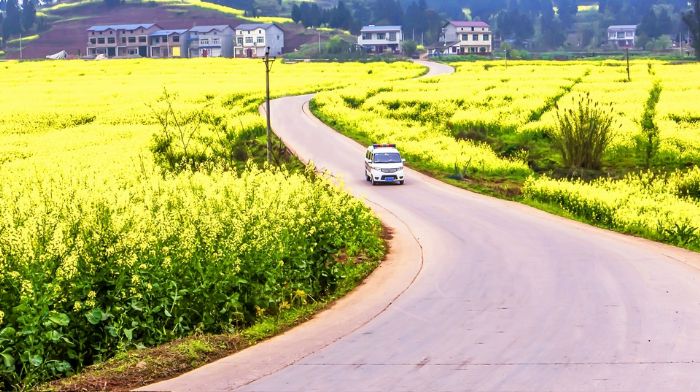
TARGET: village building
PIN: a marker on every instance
(466, 37)
(121, 40)
(252, 40)
(622, 36)
(169, 43)
(211, 41)
(380, 39)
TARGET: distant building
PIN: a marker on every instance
(466, 37)
(622, 36)
(380, 39)
(211, 41)
(251, 40)
(169, 43)
(125, 40)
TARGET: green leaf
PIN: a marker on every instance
(129, 333)
(7, 359)
(59, 318)
(167, 313)
(95, 316)
(53, 336)
(7, 332)
(36, 360)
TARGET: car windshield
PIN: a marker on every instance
(387, 157)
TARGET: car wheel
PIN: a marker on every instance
(401, 182)
(371, 179)
(367, 178)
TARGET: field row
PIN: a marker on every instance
(494, 123)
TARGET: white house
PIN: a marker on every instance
(622, 36)
(211, 41)
(466, 37)
(251, 40)
(379, 39)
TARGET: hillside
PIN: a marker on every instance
(70, 21)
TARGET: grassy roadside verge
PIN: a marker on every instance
(141, 367)
(503, 188)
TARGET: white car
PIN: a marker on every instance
(383, 164)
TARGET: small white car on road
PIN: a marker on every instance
(383, 164)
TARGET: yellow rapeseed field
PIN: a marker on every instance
(495, 121)
(102, 250)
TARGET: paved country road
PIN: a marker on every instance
(479, 294)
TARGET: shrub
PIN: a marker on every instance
(583, 133)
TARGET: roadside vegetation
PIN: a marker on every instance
(578, 138)
(136, 209)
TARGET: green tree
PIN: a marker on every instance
(337, 45)
(12, 24)
(28, 14)
(409, 48)
(567, 11)
(692, 20)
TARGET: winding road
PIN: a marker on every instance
(479, 294)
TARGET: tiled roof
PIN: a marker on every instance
(372, 28)
(122, 27)
(254, 26)
(468, 23)
(160, 33)
(206, 29)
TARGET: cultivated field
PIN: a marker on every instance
(492, 126)
(121, 227)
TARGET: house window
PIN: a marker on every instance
(100, 40)
(472, 29)
(176, 38)
(132, 40)
(621, 34)
(93, 41)
(204, 41)
(476, 37)
(629, 34)
(261, 40)
(111, 32)
(465, 37)
(392, 37)
(366, 36)
(249, 40)
(123, 40)
(381, 35)
(216, 41)
(482, 49)
(142, 38)
(111, 40)
(239, 40)
(486, 37)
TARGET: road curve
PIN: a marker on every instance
(493, 296)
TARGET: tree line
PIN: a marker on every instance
(15, 19)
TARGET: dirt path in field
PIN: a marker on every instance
(480, 294)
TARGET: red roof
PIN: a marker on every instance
(462, 23)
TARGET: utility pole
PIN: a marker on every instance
(20, 46)
(319, 42)
(627, 55)
(268, 66)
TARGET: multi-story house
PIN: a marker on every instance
(622, 36)
(211, 41)
(466, 37)
(379, 39)
(169, 43)
(120, 40)
(251, 40)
